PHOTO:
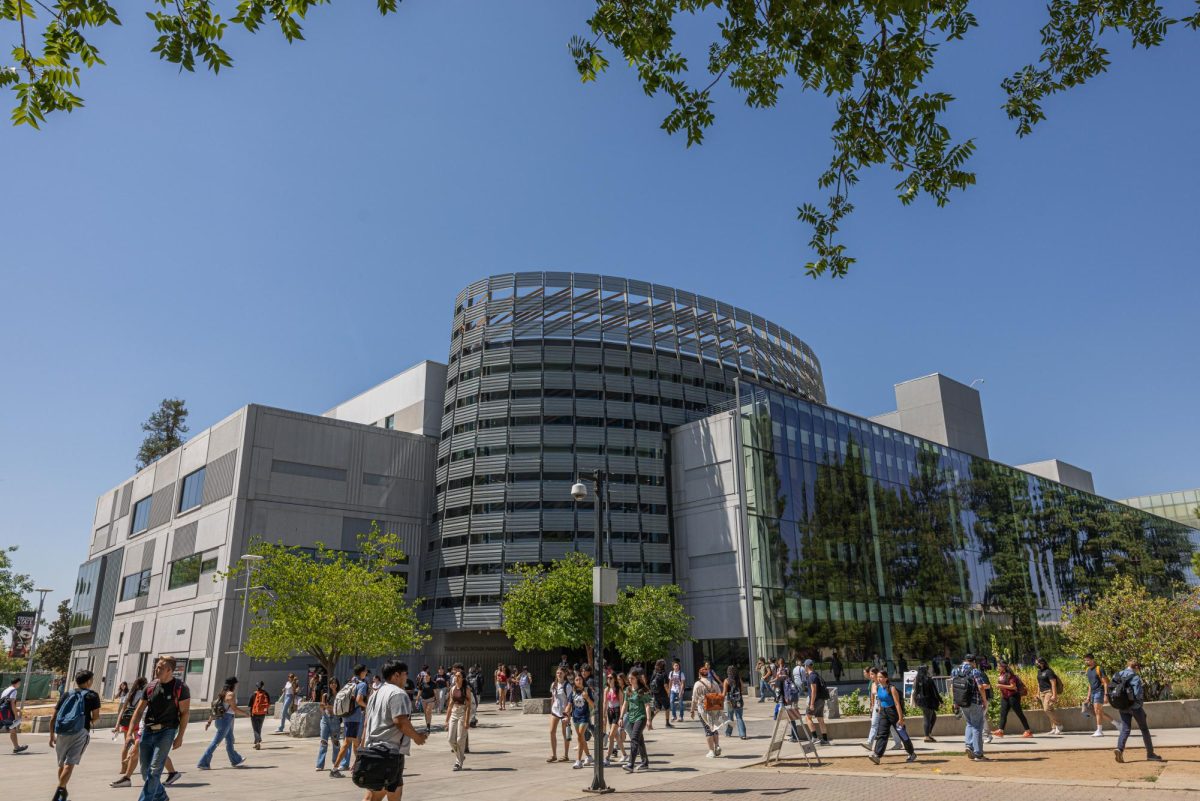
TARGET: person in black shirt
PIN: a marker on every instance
(1049, 685)
(164, 704)
(69, 747)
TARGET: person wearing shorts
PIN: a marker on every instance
(579, 710)
(1097, 690)
(388, 719)
(559, 700)
(816, 704)
(70, 747)
(353, 722)
(1049, 685)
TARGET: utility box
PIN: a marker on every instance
(604, 586)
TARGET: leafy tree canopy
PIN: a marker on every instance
(1127, 622)
(331, 603)
(54, 652)
(871, 57)
(164, 430)
(552, 608)
(14, 587)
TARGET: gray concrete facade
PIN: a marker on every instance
(939, 409)
(1063, 473)
(409, 401)
(267, 473)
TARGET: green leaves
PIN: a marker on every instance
(647, 621)
(331, 603)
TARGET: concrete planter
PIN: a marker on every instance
(536, 706)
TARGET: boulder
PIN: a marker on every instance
(536, 706)
(306, 720)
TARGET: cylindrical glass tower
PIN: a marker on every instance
(553, 375)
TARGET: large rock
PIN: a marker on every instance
(536, 706)
(306, 720)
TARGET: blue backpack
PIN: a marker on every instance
(70, 716)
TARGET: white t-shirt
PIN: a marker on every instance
(388, 703)
(558, 696)
(10, 695)
(288, 690)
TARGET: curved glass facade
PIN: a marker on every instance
(554, 375)
(873, 541)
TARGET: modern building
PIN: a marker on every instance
(159, 539)
(1182, 506)
(1063, 473)
(792, 526)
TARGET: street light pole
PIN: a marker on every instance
(579, 492)
(250, 559)
(37, 622)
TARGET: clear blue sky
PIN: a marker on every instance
(293, 231)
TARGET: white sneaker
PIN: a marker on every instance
(577, 765)
(587, 763)
(710, 755)
(1098, 733)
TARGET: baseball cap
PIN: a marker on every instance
(808, 663)
(969, 658)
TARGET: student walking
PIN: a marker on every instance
(1049, 687)
(1097, 691)
(835, 666)
(163, 707)
(1011, 691)
(331, 725)
(560, 700)
(818, 694)
(636, 709)
(709, 701)
(613, 701)
(426, 693)
(525, 683)
(353, 721)
(928, 700)
(288, 698)
(441, 685)
(224, 711)
(459, 702)
(871, 674)
(579, 709)
(675, 680)
(388, 719)
(10, 715)
(969, 688)
(765, 675)
(74, 715)
(501, 677)
(124, 715)
(734, 690)
(1127, 693)
(133, 738)
(891, 710)
(260, 706)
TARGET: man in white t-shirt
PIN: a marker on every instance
(388, 720)
(10, 714)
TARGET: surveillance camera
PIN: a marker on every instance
(578, 491)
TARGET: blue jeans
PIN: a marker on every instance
(676, 704)
(331, 729)
(224, 727)
(152, 753)
(735, 714)
(764, 689)
(286, 713)
(975, 717)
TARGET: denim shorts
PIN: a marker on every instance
(352, 729)
(1098, 697)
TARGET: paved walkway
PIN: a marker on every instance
(507, 763)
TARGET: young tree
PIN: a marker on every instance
(54, 652)
(164, 431)
(647, 621)
(874, 59)
(1126, 622)
(329, 604)
(14, 587)
(552, 608)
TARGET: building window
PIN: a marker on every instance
(308, 470)
(389, 422)
(141, 516)
(135, 585)
(187, 571)
(192, 494)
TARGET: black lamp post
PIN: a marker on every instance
(579, 492)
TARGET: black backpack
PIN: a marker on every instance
(962, 689)
(657, 684)
(815, 680)
(1120, 691)
(377, 766)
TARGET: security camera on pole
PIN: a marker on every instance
(604, 593)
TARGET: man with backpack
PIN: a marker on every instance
(74, 716)
(164, 704)
(349, 704)
(388, 735)
(659, 691)
(10, 714)
(818, 694)
(1126, 693)
(1097, 689)
(969, 686)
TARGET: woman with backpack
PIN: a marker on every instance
(260, 707)
(579, 710)
(1011, 691)
(331, 724)
(928, 700)
(734, 690)
(709, 701)
(890, 702)
(125, 709)
(224, 711)
(459, 702)
(1049, 687)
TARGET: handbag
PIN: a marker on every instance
(377, 766)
